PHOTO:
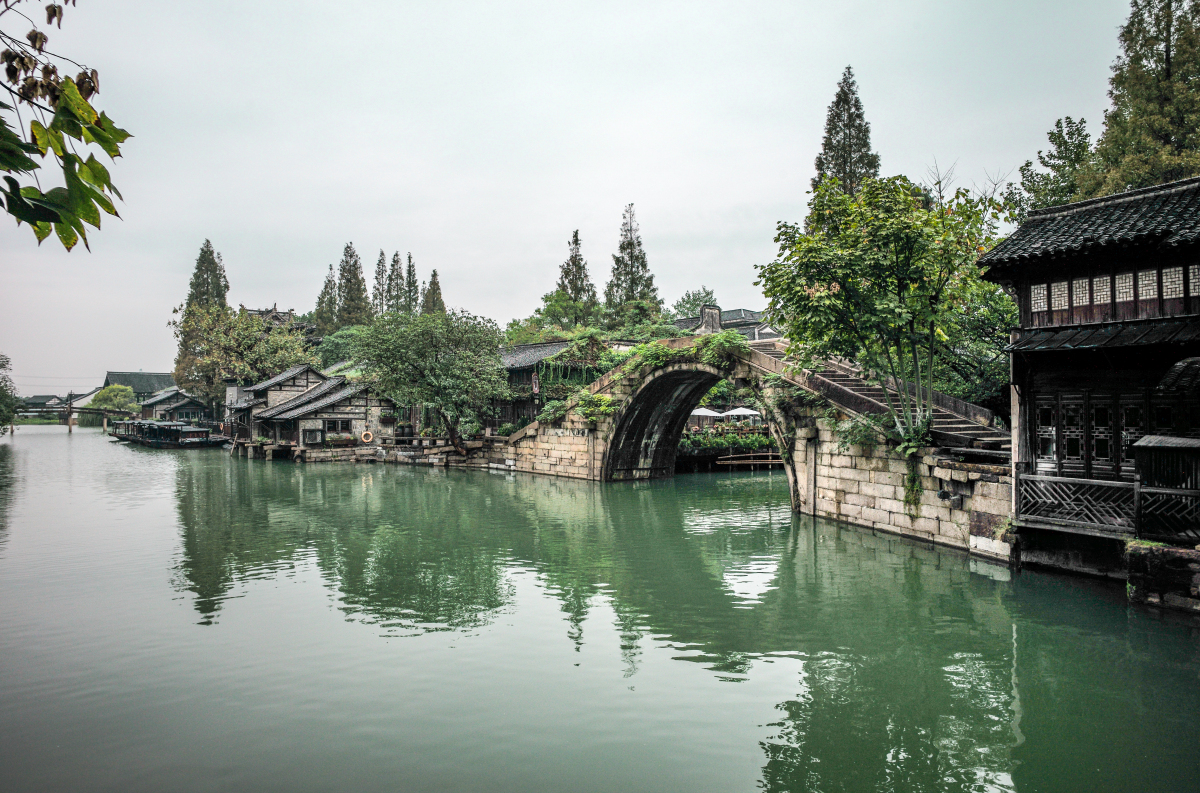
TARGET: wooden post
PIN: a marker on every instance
(104, 424)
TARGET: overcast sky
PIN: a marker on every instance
(479, 135)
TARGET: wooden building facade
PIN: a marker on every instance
(1109, 298)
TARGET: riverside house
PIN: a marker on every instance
(309, 415)
(1105, 371)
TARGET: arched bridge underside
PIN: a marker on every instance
(645, 434)
(638, 440)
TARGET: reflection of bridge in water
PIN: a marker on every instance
(899, 644)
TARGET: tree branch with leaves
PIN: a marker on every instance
(63, 123)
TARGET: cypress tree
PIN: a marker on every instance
(207, 290)
(846, 149)
(1151, 133)
(354, 306)
(395, 284)
(209, 286)
(325, 314)
(431, 300)
(379, 288)
(631, 277)
(573, 279)
(413, 289)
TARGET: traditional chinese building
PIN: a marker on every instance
(1109, 297)
(174, 404)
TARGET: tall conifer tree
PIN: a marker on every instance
(846, 149)
(395, 284)
(325, 314)
(631, 277)
(1151, 134)
(207, 290)
(431, 300)
(379, 287)
(354, 305)
(573, 278)
(413, 289)
(209, 286)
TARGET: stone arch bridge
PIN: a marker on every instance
(638, 440)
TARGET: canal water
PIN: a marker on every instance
(184, 621)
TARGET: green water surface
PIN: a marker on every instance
(187, 621)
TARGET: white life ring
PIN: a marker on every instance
(367, 437)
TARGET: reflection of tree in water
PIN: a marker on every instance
(895, 691)
(907, 676)
(8, 484)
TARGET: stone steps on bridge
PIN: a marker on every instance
(975, 433)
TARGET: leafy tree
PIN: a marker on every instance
(235, 344)
(9, 401)
(412, 287)
(846, 148)
(60, 108)
(115, 397)
(431, 296)
(396, 286)
(631, 277)
(325, 315)
(448, 361)
(379, 287)
(971, 362)
(339, 346)
(354, 306)
(1068, 160)
(875, 277)
(689, 305)
(1151, 134)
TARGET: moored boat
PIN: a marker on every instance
(166, 434)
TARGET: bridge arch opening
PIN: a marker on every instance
(646, 435)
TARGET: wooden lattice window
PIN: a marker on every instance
(1101, 289)
(1058, 295)
(1125, 287)
(1172, 282)
(1079, 292)
(1147, 284)
(1193, 278)
(1037, 297)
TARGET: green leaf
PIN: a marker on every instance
(65, 121)
(116, 133)
(69, 96)
(93, 134)
(40, 135)
(42, 230)
(98, 173)
(66, 235)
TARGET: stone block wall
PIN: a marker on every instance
(572, 448)
(963, 505)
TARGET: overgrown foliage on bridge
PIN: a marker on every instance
(879, 278)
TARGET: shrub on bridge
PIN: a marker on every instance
(721, 349)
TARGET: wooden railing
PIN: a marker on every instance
(1111, 508)
(1092, 506)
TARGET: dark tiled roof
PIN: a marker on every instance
(242, 404)
(520, 356)
(1167, 216)
(287, 374)
(320, 404)
(40, 399)
(1109, 335)
(1183, 376)
(741, 315)
(300, 399)
(141, 382)
(168, 394)
(1166, 442)
(735, 316)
